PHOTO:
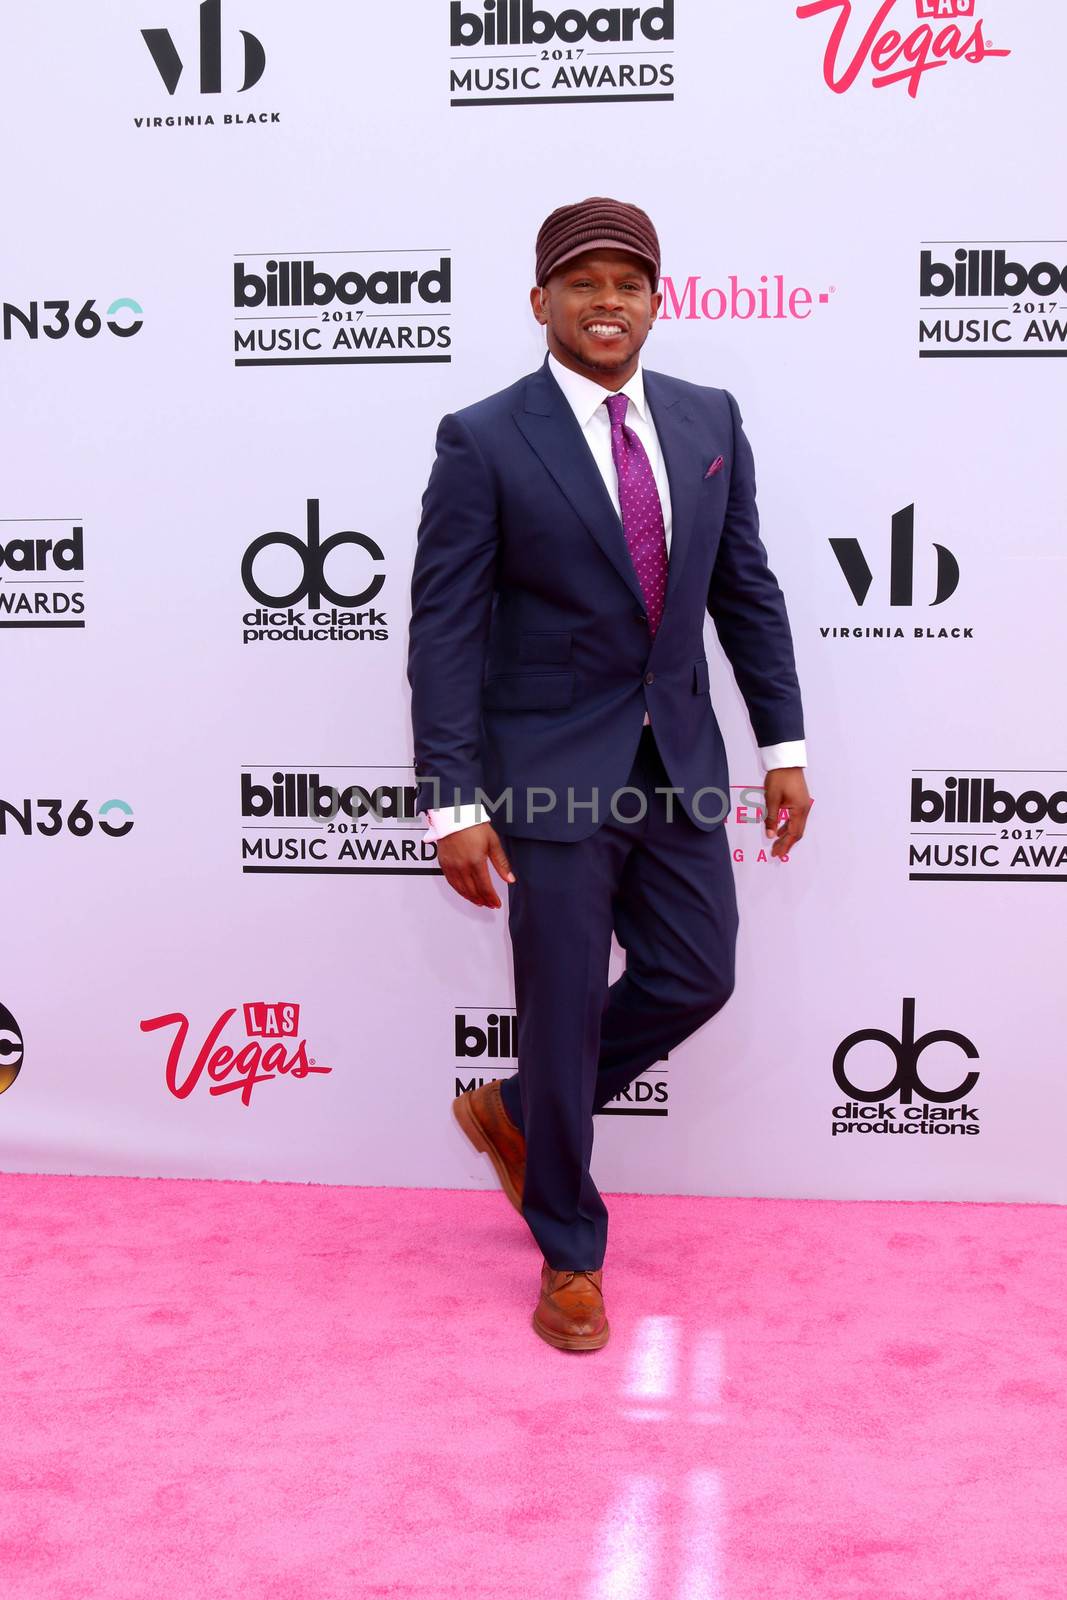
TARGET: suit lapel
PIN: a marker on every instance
(682, 457)
(551, 429)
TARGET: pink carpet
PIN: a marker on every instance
(237, 1391)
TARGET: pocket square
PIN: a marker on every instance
(716, 466)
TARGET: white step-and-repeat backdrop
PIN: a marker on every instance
(253, 252)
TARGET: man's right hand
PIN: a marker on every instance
(464, 858)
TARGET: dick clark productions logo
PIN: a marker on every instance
(948, 31)
(294, 611)
(273, 1048)
(866, 1111)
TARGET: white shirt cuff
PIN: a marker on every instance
(791, 753)
(450, 819)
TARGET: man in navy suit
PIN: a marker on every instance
(576, 529)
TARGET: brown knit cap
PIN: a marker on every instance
(595, 224)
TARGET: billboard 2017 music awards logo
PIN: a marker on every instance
(866, 1109)
(11, 1049)
(350, 618)
(38, 588)
(519, 52)
(1019, 291)
(273, 1049)
(51, 818)
(207, 53)
(327, 820)
(988, 827)
(940, 584)
(494, 1037)
(893, 55)
(379, 307)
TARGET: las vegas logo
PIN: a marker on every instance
(272, 1048)
(948, 31)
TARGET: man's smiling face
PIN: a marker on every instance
(597, 310)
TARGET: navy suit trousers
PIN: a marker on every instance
(665, 888)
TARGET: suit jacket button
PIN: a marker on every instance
(641, 616)
(650, 677)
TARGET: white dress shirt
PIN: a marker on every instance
(586, 399)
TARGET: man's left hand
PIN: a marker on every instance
(785, 789)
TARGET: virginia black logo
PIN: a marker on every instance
(1017, 291)
(583, 53)
(900, 591)
(343, 621)
(169, 63)
(40, 578)
(866, 1109)
(341, 820)
(859, 577)
(170, 66)
(11, 1049)
(982, 827)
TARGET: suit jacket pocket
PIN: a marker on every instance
(701, 678)
(552, 648)
(528, 691)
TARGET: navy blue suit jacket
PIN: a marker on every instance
(530, 659)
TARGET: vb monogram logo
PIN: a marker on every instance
(169, 63)
(859, 577)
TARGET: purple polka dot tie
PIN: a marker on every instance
(642, 513)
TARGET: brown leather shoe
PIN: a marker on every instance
(570, 1313)
(481, 1115)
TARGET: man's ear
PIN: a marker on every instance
(537, 305)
